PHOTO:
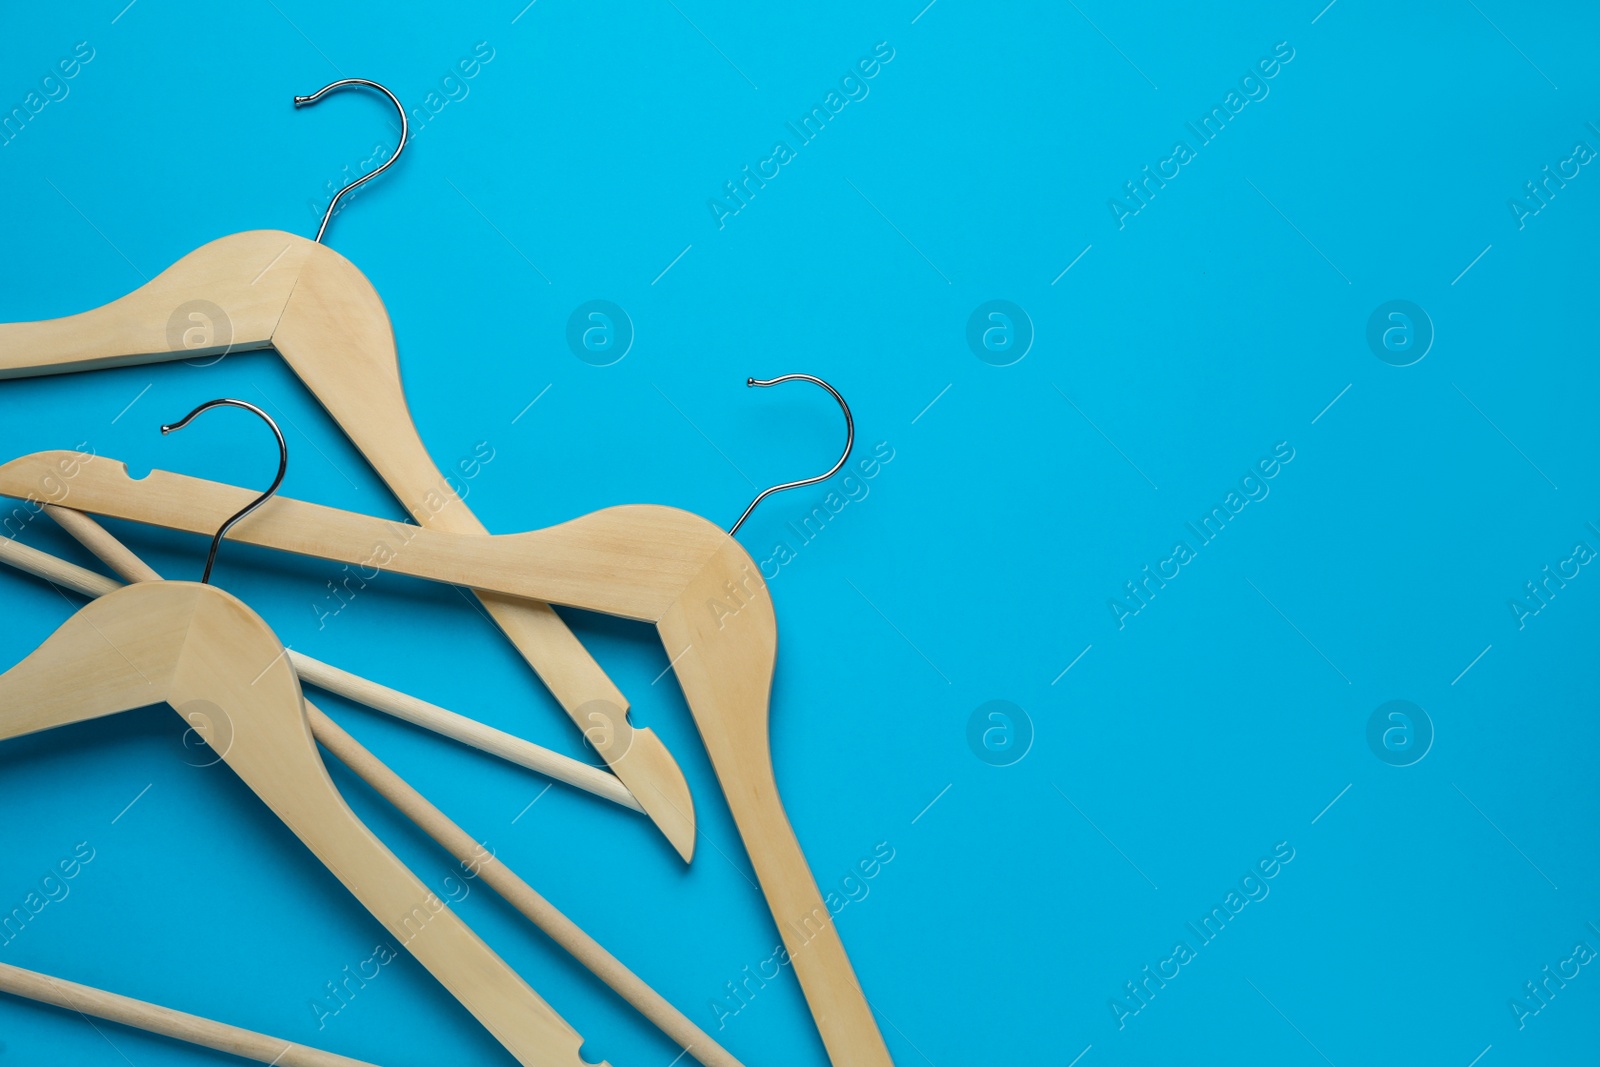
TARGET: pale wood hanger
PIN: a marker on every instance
(544, 915)
(699, 587)
(178, 1025)
(214, 661)
(313, 307)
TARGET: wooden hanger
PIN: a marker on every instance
(686, 575)
(313, 307)
(178, 1025)
(214, 661)
(389, 785)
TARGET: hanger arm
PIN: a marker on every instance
(630, 561)
(215, 662)
(248, 278)
(725, 666)
(178, 1025)
(520, 895)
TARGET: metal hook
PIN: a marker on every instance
(849, 442)
(283, 467)
(331, 87)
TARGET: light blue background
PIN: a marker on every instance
(1176, 752)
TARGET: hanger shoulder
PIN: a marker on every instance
(220, 667)
(224, 296)
(74, 677)
(336, 335)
